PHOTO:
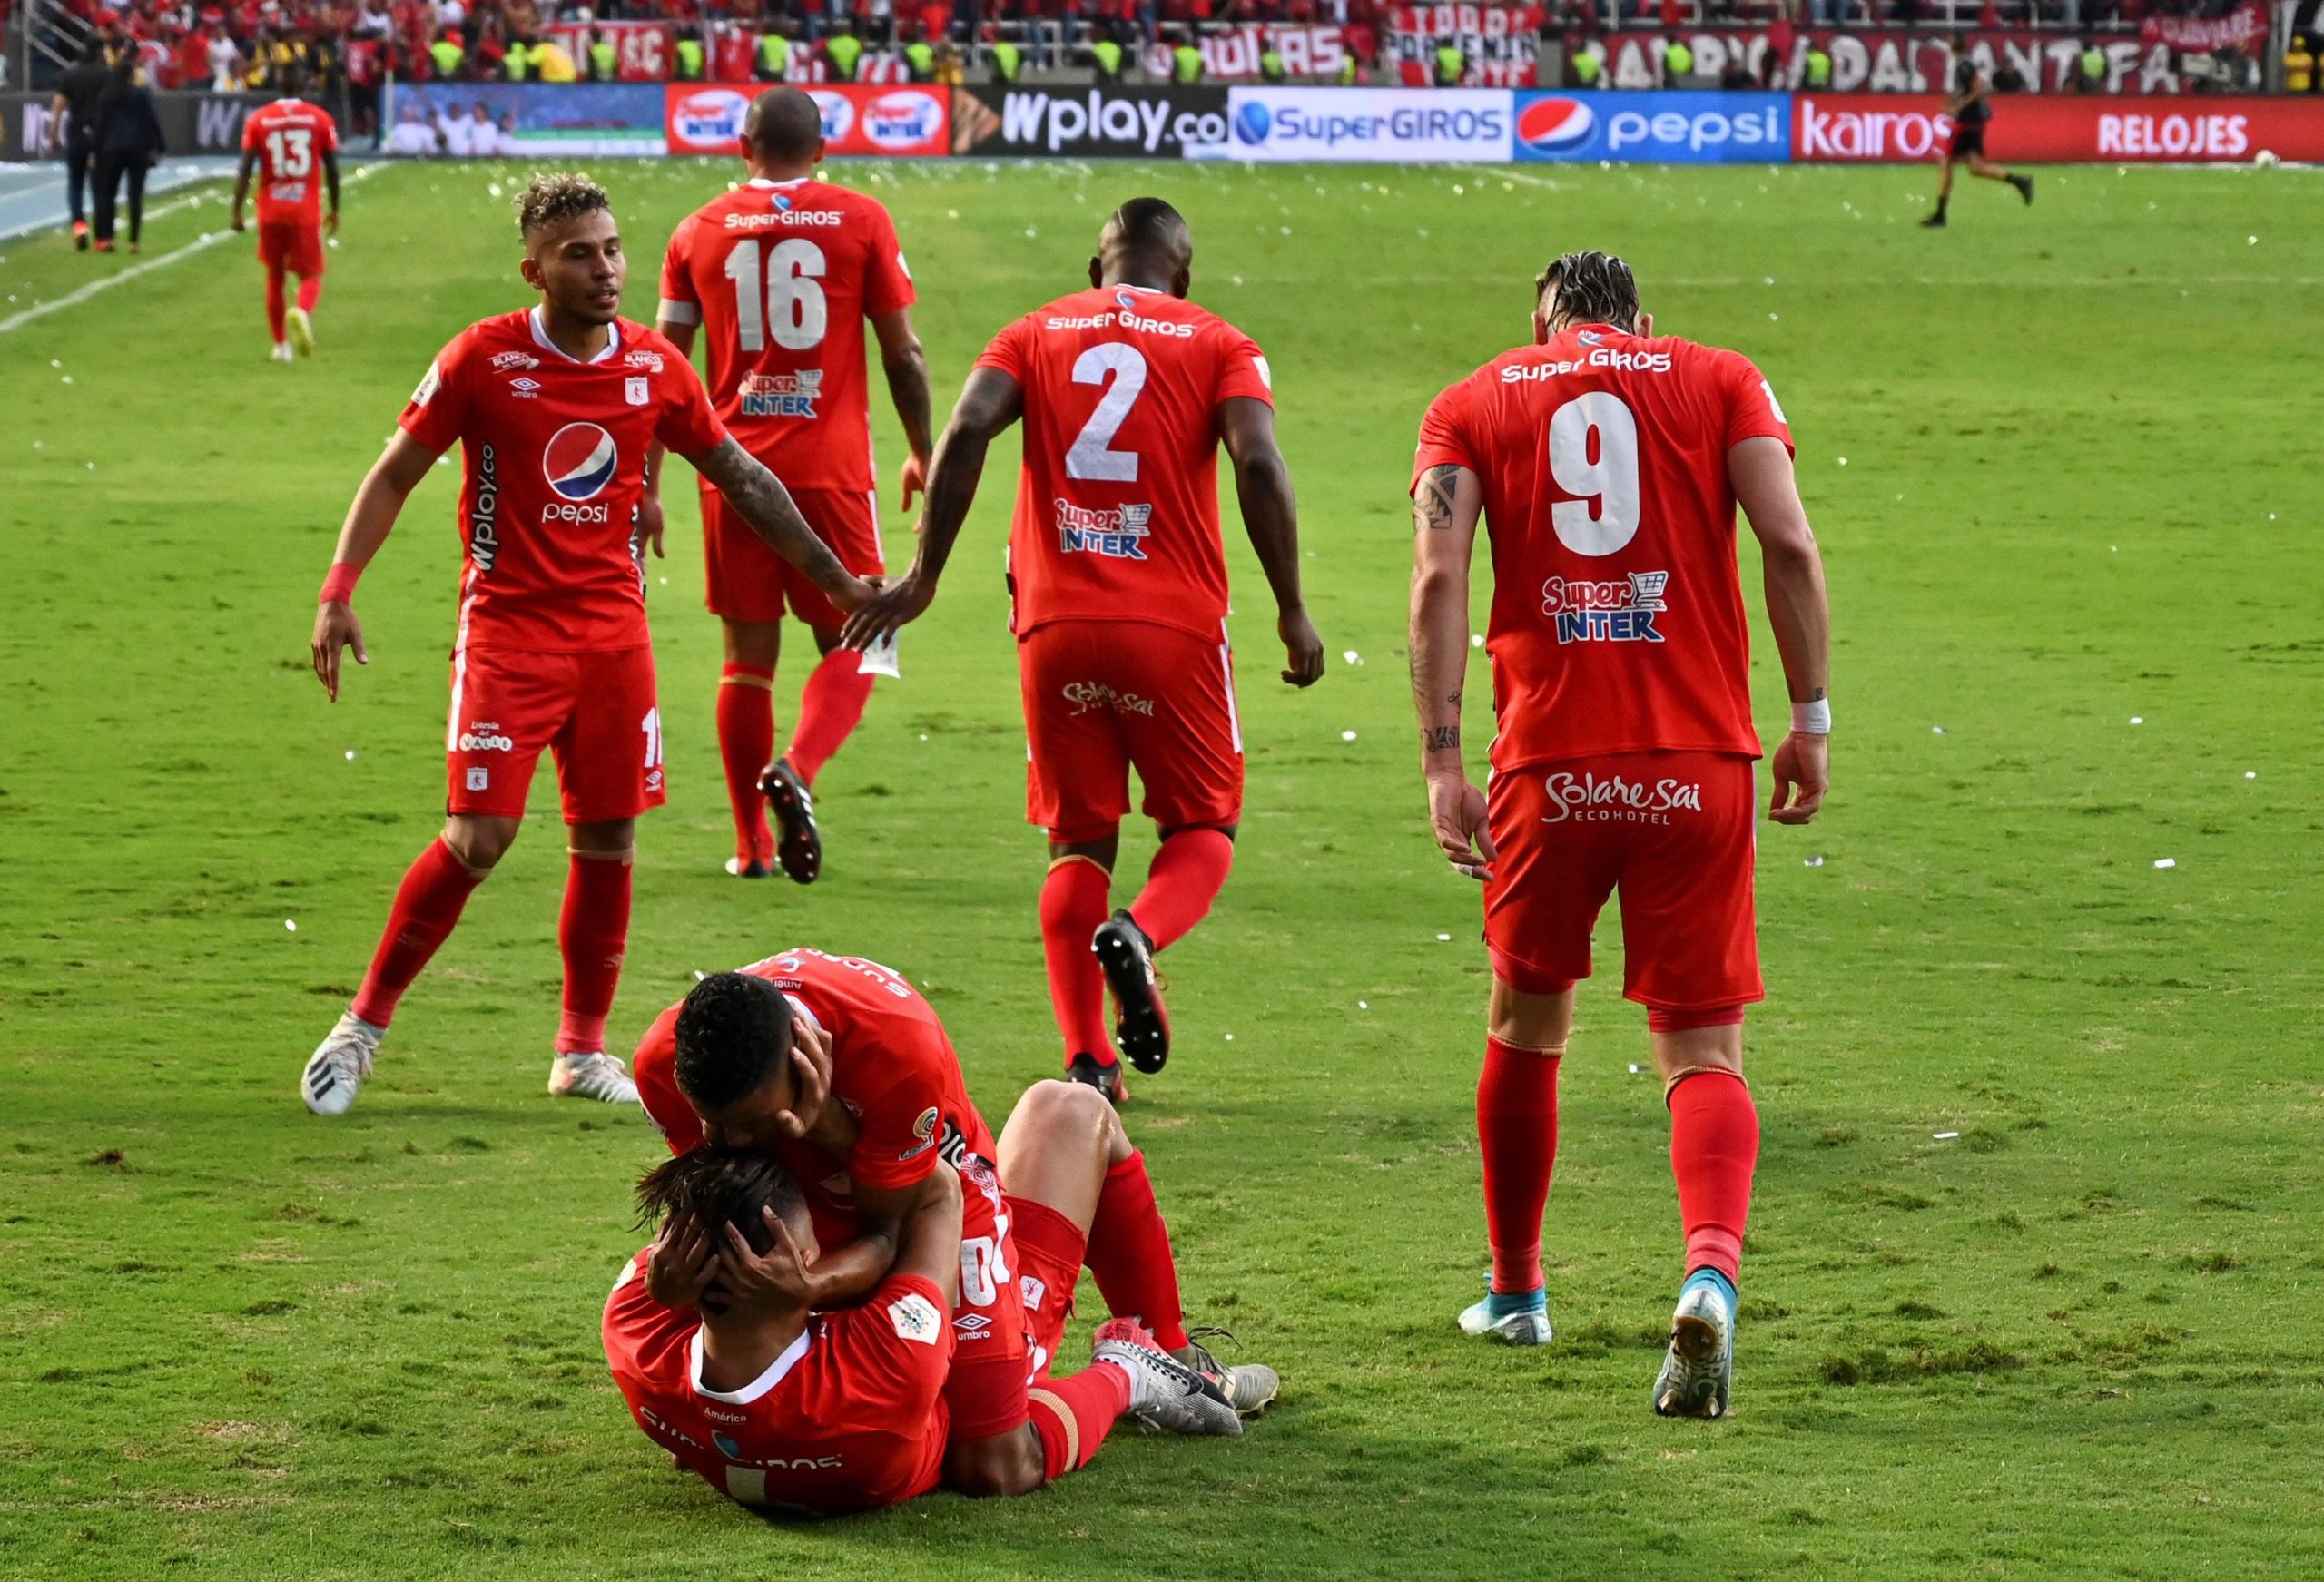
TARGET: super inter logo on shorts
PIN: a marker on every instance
(580, 461)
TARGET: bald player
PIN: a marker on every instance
(778, 275)
(1118, 586)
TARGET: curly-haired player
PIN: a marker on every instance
(555, 409)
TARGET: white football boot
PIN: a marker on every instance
(339, 1065)
(1166, 1395)
(301, 328)
(1527, 1324)
(597, 1076)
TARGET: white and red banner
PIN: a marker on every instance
(1898, 61)
(909, 121)
(2244, 28)
(1309, 50)
(646, 50)
(1502, 43)
(1867, 128)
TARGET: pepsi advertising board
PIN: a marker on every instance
(1364, 125)
(1654, 128)
(859, 118)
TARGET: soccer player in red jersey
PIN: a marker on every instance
(287, 143)
(714, 1342)
(1120, 585)
(1608, 462)
(779, 275)
(554, 410)
(836, 1066)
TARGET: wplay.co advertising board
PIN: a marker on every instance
(1364, 125)
(1654, 128)
(1165, 122)
(908, 121)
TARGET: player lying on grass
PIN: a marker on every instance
(555, 410)
(727, 1362)
(1118, 583)
(1607, 464)
(834, 1065)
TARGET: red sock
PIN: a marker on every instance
(1129, 1253)
(427, 903)
(310, 292)
(1073, 1416)
(746, 746)
(1186, 875)
(829, 706)
(1714, 1144)
(1517, 1131)
(274, 316)
(1073, 903)
(593, 930)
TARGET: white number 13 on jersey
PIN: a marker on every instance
(1606, 516)
(796, 308)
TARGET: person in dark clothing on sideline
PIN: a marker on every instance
(78, 93)
(129, 143)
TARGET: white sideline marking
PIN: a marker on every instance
(75, 298)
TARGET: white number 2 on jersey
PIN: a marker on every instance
(1606, 516)
(290, 150)
(795, 308)
(1091, 455)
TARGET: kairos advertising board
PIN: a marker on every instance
(1102, 122)
(1663, 128)
(858, 118)
(1374, 125)
(1896, 127)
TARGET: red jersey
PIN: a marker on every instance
(556, 463)
(850, 1417)
(780, 275)
(1617, 621)
(1117, 508)
(290, 137)
(891, 1067)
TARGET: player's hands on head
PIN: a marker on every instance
(1302, 649)
(914, 478)
(811, 1074)
(681, 1261)
(779, 1274)
(336, 630)
(1456, 816)
(1803, 773)
(887, 611)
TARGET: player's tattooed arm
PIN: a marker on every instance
(907, 370)
(1446, 503)
(1271, 516)
(989, 403)
(1433, 501)
(759, 498)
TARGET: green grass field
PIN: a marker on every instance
(2061, 462)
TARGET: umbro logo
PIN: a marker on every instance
(523, 388)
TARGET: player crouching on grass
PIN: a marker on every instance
(835, 1067)
(555, 410)
(728, 1361)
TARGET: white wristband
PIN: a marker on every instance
(1812, 719)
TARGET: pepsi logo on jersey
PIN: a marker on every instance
(580, 461)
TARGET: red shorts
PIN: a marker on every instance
(593, 711)
(750, 582)
(1673, 831)
(986, 1393)
(1105, 697)
(295, 245)
(1049, 1253)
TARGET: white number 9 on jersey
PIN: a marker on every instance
(1606, 516)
